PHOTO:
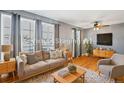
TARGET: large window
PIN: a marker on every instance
(5, 29)
(48, 36)
(5, 32)
(27, 35)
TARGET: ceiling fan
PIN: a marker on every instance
(98, 25)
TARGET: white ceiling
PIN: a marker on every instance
(83, 18)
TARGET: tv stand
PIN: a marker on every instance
(103, 53)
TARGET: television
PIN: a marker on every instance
(104, 39)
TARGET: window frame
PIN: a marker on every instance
(52, 47)
(31, 20)
(1, 33)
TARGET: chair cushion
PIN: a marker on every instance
(105, 68)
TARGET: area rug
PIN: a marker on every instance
(90, 77)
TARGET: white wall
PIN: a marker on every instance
(118, 36)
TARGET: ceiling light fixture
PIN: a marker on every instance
(97, 26)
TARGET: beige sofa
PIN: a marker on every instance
(113, 67)
(25, 71)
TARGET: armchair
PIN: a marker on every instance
(113, 67)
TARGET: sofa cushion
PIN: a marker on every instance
(55, 62)
(59, 53)
(39, 55)
(40, 66)
(53, 54)
(46, 55)
(31, 58)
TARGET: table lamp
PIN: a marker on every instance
(6, 52)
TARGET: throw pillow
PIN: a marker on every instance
(39, 55)
(24, 58)
(46, 55)
(53, 54)
(32, 59)
(59, 53)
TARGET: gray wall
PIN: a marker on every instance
(118, 36)
(66, 34)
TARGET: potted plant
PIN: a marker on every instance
(72, 68)
(87, 46)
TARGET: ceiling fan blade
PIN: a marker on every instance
(105, 25)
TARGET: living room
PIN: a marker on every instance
(64, 46)
(61, 46)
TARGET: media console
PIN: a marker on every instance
(103, 53)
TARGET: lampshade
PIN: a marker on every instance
(5, 48)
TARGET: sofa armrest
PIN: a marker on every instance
(117, 71)
(104, 62)
(20, 66)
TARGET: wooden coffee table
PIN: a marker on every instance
(69, 78)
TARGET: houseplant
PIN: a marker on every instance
(72, 68)
(87, 46)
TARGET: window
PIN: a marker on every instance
(5, 29)
(48, 36)
(5, 34)
(27, 35)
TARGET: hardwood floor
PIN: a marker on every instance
(88, 62)
(8, 79)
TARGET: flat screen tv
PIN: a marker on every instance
(104, 39)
